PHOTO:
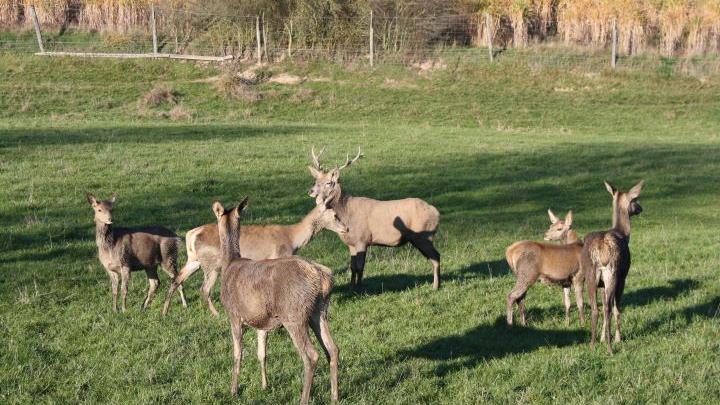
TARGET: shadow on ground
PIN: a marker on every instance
(389, 283)
(485, 342)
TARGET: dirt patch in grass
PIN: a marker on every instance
(160, 95)
(233, 86)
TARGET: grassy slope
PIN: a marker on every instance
(491, 147)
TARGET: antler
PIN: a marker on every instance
(348, 162)
(316, 158)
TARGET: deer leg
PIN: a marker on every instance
(261, 354)
(578, 287)
(608, 300)
(353, 266)
(189, 268)
(360, 263)
(616, 315)
(124, 279)
(299, 336)
(236, 328)
(426, 247)
(592, 296)
(517, 293)
(153, 283)
(321, 328)
(114, 282)
(206, 289)
(521, 309)
(169, 266)
(566, 301)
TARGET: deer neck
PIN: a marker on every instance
(303, 232)
(229, 242)
(339, 204)
(570, 236)
(104, 236)
(621, 219)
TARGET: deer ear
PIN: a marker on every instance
(552, 216)
(314, 172)
(610, 188)
(90, 199)
(113, 197)
(218, 209)
(334, 174)
(635, 191)
(568, 219)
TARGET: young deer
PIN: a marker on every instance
(257, 242)
(267, 294)
(123, 250)
(606, 258)
(550, 263)
(372, 222)
(561, 231)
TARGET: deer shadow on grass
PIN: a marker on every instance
(682, 318)
(390, 283)
(645, 296)
(490, 341)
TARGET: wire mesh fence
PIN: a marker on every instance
(423, 41)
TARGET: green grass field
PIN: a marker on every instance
(492, 146)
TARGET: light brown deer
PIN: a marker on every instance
(123, 250)
(372, 222)
(556, 264)
(290, 292)
(606, 258)
(257, 242)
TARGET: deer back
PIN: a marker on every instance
(140, 248)
(268, 293)
(387, 222)
(554, 262)
(257, 242)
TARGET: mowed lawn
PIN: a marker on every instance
(492, 147)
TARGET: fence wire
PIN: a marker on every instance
(407, 41)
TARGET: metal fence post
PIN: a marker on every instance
(36, 23)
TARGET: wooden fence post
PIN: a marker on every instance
(372, 41)
(154, 29)
(488, 34)
(257, 36)
(36, 23)
(264, 35)
(290, 40)
(613, 60)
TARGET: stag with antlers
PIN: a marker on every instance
(376, 223)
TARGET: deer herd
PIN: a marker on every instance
(265, 285)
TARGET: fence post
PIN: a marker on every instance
(613, 60)
(372, 41)
(154, 30)
(264, 35)
(290, 40)
(36, 23)
(488, 34)
(257, 36)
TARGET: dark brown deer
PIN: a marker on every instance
(123, 250)
(553, 264)
(606, 258)
(257, 242)
(372, 222)
(290, 292)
